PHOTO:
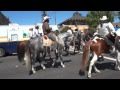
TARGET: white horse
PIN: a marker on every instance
(29, 51)
(117, 47)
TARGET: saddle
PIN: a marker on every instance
(106, 38)
(46, 41)
(110, 39)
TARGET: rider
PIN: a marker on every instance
(47, 30)
(104, 28)
(35, 32)
(69, 37)
(70, 34)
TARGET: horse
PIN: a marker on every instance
(117, 48)
(30, 52)
(77, 40)
(93, 49)
(69, 41)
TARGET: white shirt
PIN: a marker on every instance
(35, 33)
(105, 29)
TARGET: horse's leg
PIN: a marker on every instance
(92, 62)
(96, 70)
(41, 61)
(28, 61)
(49, 52)
(43, 66)
(118, 60)
(34, 57)
(67, 49)
(61, 60)
(54, 60)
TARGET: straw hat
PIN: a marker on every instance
(104, 18)
(45, 18)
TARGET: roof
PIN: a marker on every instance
(3, 19)
(114, 24)
(75, 18)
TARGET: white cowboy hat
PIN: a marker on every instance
(104, 18)
(45, 18)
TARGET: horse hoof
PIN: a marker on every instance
(30, 72)
(44, 68)
(117, 68)
(89, 76)
(98, 71)
(81, 73)
(63, 66)
(34, 72)
(53, 64)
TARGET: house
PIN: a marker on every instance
(76, 21)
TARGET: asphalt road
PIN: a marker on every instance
(10, 68)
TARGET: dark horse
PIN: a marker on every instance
(95, 48)
(29, 51)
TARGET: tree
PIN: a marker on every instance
(94, 16)
(116, 14)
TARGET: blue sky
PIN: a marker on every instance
(33, 17)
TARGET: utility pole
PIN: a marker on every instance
(55, 17)
(44, 13)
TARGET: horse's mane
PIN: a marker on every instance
(63, 35)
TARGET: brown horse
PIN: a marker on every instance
(95, 47)
(21, 48)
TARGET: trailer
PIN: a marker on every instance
(11, 35)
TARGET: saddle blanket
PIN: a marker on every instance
(47, 42)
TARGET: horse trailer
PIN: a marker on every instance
(11, 35)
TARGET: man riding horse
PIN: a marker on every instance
(35, 32)
(47, 30)
(101, 43)
(104, 28)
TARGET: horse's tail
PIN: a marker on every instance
(85, 58)
(28, 60)
(21, 51)
(24, 54)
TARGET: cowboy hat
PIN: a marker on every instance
(104, 18)
(45, 18)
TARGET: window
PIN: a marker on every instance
(14, 37)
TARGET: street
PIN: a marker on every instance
(10, 68)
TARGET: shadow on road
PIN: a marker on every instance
(106, 65)
(48, 64)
